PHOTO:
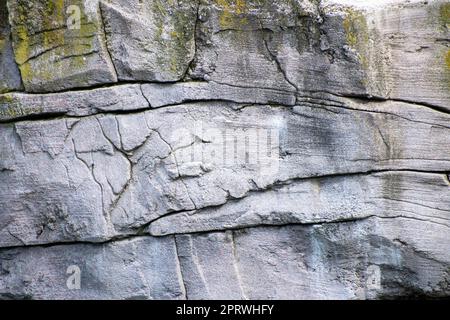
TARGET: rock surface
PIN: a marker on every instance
(9, 73)
(224, 149)
(54, 53)
(150, 40)
(139, 268)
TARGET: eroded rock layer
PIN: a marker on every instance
(224, 149)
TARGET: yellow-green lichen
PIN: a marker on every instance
(231, 13)
(444, 14)
(6, 98)
(357, 34)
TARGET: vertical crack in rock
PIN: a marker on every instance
(119, 133)
(420, 253)
(104, 41)
(130, 170)
(94, 172)
(447, 177)
(145, 97)
(180, 269)
(236, 264)
(131, 167)
(10, 79)
(16, 237)
(141, 269)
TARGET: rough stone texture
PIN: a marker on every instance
(140, 268)
(417, 36)
(151, 40)
(119, 98)
(398, 51)
(323, 200)
(9, 73)
(225, 149)
(54, 57)
(328, 261)
(161, 95)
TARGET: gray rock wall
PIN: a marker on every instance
(224, 149)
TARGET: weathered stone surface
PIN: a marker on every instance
(155, 175)
(134, 97)
(327, 261)
(404, 47)
(208, 266)
(9, 73)
(337, 258)
(160, 95)
(417, 36)
(150, 40)
(141, 268)
(54, 53)
(336, 47)
(290, 45)
(122, 98)
(234, 40)
(44, 181)
(224, 149)
(324, 200)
